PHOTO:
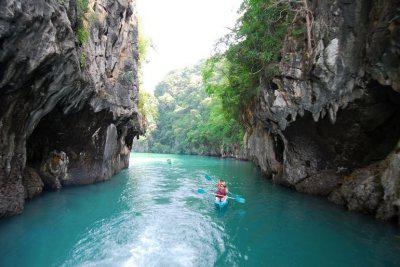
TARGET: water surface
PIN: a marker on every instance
(152, 215)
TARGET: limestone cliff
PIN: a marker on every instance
(330, 123)
(68, 94)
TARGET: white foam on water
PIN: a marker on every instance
(151, 250)
(165, 233)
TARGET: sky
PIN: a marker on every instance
(182, 32)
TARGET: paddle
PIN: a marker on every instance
(202, 191)
(236, 197)
(209, 178)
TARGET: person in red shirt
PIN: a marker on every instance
(222, 191)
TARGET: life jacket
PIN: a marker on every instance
(221, 192)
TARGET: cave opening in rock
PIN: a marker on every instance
(366, 131)
(46, 137)
(63, 132)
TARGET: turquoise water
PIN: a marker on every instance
(152, 215)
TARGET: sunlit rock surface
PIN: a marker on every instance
(330, 124)
(59, 94)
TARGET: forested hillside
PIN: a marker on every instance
(189, 119)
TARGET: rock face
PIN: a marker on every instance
(32, 183)
(68, 94)
(330, 124)
(54, 171)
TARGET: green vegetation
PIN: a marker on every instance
(199, 108)
(147, 103)
(83, 29)
(83, 60)
(253, 52)
(147, 107)
(82, 34)
(144, 45)
(83, 6)
(189, 121)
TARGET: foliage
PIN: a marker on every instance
(83, 28)
(252, 53)
(147, 105)
(199, 107)
(144, 44)
(83, 60)
(215, 77)
(189, 120)
(83, 6)
(83, 35)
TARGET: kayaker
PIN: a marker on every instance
(222, 191)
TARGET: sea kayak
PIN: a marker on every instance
(221, 204)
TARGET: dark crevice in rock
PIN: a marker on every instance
(279, 148)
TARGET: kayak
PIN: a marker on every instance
(221, 204)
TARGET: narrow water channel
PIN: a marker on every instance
(152, 215)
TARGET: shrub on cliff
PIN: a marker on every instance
(250, 52)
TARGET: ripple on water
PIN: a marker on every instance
(162, 238)
(152, 215)
(170, 231)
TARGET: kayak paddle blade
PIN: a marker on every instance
(201, 191)
(240, 200)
